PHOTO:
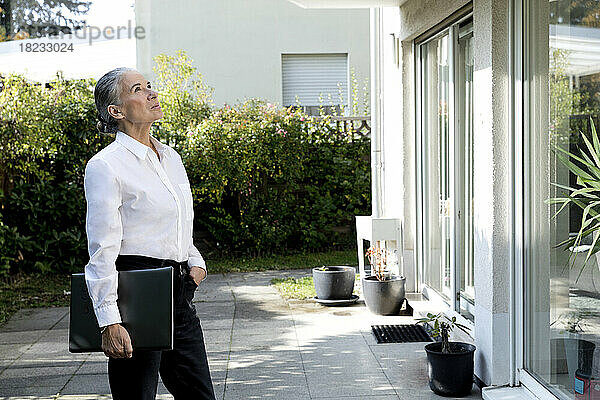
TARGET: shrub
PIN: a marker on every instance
(47, 134)
(52, 215)
(267, 179)
(12, 247)
(185, 98)
(264, 178)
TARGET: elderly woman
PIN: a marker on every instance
(139, 215)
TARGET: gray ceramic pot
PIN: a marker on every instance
(384, 297)
(335, 283)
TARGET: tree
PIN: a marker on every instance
(41, 18)
(565, 101)
(5, 25)
(184, 95)
(575, 12)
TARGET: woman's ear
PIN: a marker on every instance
(115, 112)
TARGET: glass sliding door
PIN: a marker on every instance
(464, 100)
(445, 114)
(562, 295)
(436, 183)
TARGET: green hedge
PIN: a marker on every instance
(46, 137)
(264, 179)
(269, 179)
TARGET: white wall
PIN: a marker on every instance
(414, 18)
(491, 188)
(237, 44)
(393, 190)
(491, 152)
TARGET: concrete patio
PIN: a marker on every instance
(259, 346)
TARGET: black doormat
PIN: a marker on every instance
(400, 333)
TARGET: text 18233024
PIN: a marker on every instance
(46, 47)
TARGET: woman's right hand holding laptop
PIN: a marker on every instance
(116, 342)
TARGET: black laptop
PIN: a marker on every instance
(145, 300)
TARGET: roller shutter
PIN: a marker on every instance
(308, 75)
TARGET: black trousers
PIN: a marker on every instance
(184, 370)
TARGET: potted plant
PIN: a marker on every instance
(334, 282)
(585, 165)
(383, 291)
(450, 363)
(579, 353)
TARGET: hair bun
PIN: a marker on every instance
(101, 126)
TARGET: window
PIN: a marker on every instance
(313, 80)
(562, 299)
(445, 125)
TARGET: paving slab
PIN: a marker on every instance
(35, 391)
(213, 310)
(219, 388)
(259, 346)
(216, 336)
(35, 319)
(366, 397)
(281, 391)
(93, 367)
(24, 397)
(13, 351)
(349, 385)
(12, 337)
(220, 325)
(257, 325)
(82, 384)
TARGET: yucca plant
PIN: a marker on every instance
(586, 195)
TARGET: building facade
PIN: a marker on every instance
(270, 49)
(474, 104)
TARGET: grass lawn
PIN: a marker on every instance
(38, 290)
(298, 288)
(294, 288)
(279, 262)
(33, 290)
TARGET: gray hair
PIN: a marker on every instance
(107, 92)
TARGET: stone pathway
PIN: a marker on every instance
(259, 347)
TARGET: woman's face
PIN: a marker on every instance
(139, 103)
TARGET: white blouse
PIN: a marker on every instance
(136, 204)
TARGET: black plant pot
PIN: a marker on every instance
(384, 297)
(450, 374)
(336, 283)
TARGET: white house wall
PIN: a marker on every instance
(491, 152)
(491, 187)
(391, 130)
(237, 44)
(414, 18)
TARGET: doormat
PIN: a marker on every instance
(400, 333)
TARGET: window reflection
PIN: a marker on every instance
(436, 180)
(563, 303)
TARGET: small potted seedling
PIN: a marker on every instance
(450, 363)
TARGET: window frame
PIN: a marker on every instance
(451, 27)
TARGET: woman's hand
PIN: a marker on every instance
(116, 342)
(198, 274)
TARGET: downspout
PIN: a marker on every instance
(512, 193)
(376, 114)
(516, 221)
